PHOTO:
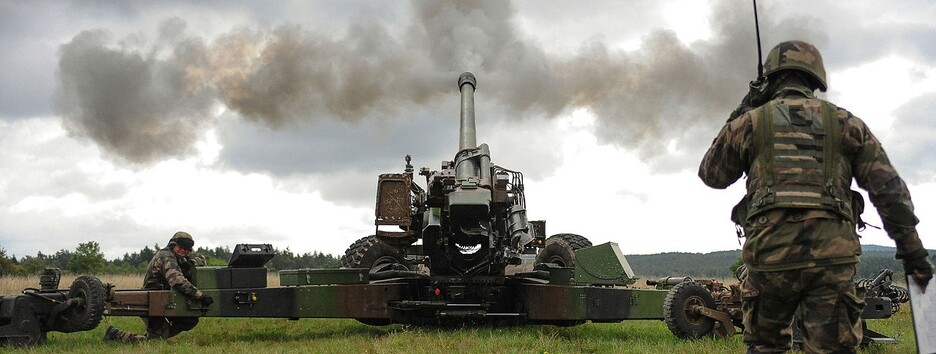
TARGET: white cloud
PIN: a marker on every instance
(874, 90)
(56, 191)
(214, 204)
(689, 19)
(607, 194)
(125, 209)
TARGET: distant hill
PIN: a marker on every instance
(867, 248)
(717, 264)
(705, 265)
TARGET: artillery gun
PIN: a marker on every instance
(456, 237)
(471, 218)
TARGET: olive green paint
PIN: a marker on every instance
(603, 264)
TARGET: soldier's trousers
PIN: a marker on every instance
(828, 300)
(168, 327)
(156, 328)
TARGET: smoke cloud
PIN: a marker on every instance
(144, 103)
(135, 106)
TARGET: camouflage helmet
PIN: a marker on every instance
(796, 55)
(182, 239)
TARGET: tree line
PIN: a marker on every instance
(87, 258)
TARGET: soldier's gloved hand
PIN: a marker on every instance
(184, 263)
(918, 266)
(206, 300)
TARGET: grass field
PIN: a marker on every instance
(233, 335)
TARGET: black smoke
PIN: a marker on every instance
(144, 103)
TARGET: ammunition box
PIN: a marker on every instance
(230, 278)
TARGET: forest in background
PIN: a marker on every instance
(87, 258)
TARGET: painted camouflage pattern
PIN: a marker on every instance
(733, 153)
(784, 239)
(803, 256)
(796, 165)
(168, 271)
(829, 301)
(796, 55)
(404, 301)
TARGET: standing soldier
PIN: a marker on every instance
(800, 154)
(171, 268)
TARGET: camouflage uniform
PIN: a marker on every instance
(166, 271)
(799, 216)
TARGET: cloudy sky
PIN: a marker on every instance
(248, 122)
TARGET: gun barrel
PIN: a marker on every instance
(467, 133)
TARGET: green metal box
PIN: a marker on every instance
(603, 264)
(230, 278)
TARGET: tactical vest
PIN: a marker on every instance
(798, 160)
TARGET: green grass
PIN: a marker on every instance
(235, 335)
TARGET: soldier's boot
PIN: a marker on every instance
(114, 334)
(111, 333)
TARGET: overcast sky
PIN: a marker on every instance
(124, 122)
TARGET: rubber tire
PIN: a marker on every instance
(677, 316)
(24, 341)
(560, 249)
(369, 251)
(88, 314)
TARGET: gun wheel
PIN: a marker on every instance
(560, 249)
(34, 337)
(370, 252)
(86, 314)
(679, 310)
